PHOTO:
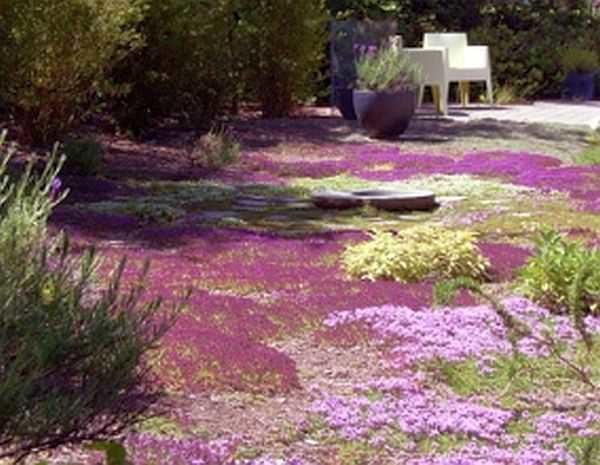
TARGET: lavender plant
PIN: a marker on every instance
(71, 352)
(388, 68)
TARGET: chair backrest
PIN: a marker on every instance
(433, 62)
(455, 42)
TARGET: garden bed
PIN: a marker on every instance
(265, 358)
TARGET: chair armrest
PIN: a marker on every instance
(433, 61)
(477, 56)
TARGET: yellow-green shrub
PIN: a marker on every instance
(416, 253)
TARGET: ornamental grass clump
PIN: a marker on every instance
(416, 253)
(71, 351)
(388, 68)
(215, 149)
(563, 275)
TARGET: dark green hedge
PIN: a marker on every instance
(525, 37)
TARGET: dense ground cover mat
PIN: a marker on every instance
(281, 356)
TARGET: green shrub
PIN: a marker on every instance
(188, 66)
(416, 253)
(55, 56)
(71, 352)
(200, 58)
(524, 40)
(563, 275)
(387, 68)
(284, 47)
(83, 157)
(215, 149)
(579, 59)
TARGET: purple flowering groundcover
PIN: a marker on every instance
(281, 358)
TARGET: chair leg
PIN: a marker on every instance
(464, 93)
(445, 91)
(435, 92)
(490, 91)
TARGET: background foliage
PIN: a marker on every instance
(187, 66)
(524, 37)
(55, 56)
(286, 43)
(198, 59)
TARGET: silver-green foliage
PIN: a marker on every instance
(416, 253)
(388, 69)
(71, 352)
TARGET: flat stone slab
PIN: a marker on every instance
(215, 215)
(391, 200)
(543, 112)
(336, 200)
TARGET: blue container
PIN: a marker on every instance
(579, 86)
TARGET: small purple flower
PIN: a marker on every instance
(55, 188)
(372, 50)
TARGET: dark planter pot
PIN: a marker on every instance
(580, 86)
(344, 103)
(385, 115)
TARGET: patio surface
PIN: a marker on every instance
(545, 112)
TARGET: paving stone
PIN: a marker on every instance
(215, 215)
(543, 112)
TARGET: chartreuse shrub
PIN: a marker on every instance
(416, 253)
(71, 352)
(55, 56)
(563, 275)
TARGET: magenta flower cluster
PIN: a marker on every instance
(459, 334)
(418, 407)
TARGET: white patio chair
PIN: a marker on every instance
(466, 63)
(434, 63)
